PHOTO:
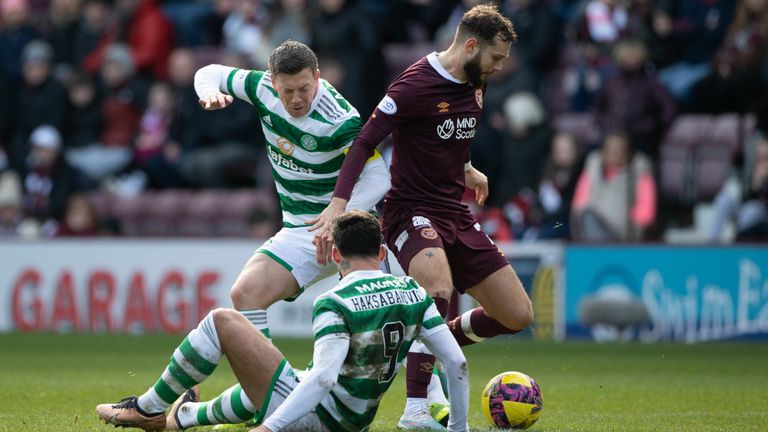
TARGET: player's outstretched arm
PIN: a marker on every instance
(445, 348)
(330, 352)
(370, 188)
(211, 86)
(361, 150)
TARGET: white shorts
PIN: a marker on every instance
(283, 383)
(293, 249)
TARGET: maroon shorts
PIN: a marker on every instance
(471, 254)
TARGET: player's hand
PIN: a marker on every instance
(322, 227)
(216, 101)
(261, 428)
(478, 182)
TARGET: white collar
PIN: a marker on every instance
(432, 59)
(361, 274)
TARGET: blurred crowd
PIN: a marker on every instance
(98, 99)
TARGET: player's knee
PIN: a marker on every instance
(520, 317)
(240, 294)
(223, 317)
(248, 293)
(439, 291)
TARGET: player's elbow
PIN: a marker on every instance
(327, 382)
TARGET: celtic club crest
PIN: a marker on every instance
(308, 142)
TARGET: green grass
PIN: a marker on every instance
(52, 383)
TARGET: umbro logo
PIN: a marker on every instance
(443, 106)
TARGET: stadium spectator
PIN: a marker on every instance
(557, 186)
(653, 23)
(221, 148)
(605, 21)
(146, 31)
(190, 21)
(615, 197)
(11, 210)
(80, 218)
(745, 200)
(337, 393)
(84, 118)
(59, 30)
(40, 100)
(15, 33)
(524, 148)
(120, 107)
(433, 235)
(48, 179)
(633, 100)
(700, 26)
(5, 120)
(342, 30)
(91, 28)
(583, 77)
(734, 84)
(512, 79)
(538, 30)
(152, 147)
(290, 21)
(245, 31)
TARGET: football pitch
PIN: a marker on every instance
(53, 382)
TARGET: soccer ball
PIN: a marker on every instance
(511, 400)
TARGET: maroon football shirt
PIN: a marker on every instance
(432, 118)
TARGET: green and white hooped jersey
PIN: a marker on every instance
(306, 153)
(382, 315)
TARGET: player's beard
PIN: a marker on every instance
(474, 71)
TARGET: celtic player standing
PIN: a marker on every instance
(308, 128)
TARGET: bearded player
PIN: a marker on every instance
(432, 110)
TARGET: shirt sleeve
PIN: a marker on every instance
(373, 183)
(328, 319)
(329, 354)
(236, 82)
(394, 109)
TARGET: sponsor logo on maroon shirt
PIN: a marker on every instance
(464, 128)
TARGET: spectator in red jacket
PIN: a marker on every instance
(149, 34)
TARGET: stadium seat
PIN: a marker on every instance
(130, 212)
(201, 212)
(164, 210)
(711, 163)
(580, 125)
(689, 130)
(102, 204)
(206, 213)
(674, 168)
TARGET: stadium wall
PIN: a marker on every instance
(139, 286)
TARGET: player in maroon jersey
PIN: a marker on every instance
(432, 110)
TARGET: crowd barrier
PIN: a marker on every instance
(139, 286)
